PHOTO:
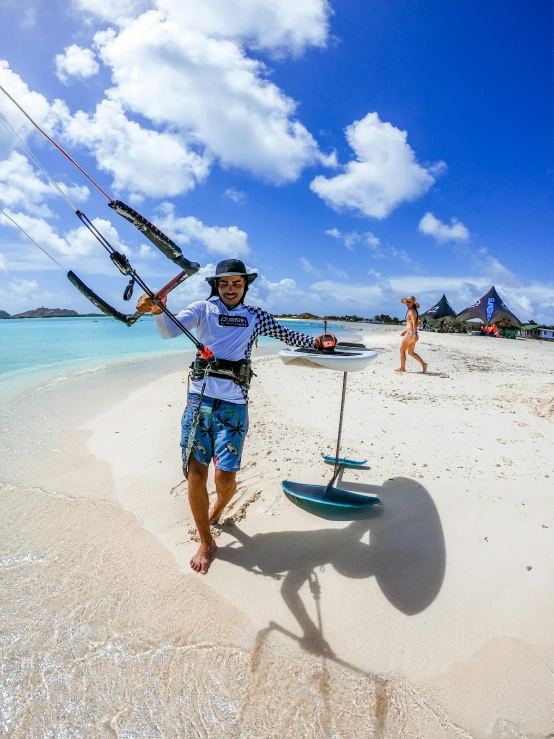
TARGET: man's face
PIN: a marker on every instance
(231, 290)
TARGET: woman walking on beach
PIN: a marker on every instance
(409, 335)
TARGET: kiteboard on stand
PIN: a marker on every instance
(344, 358)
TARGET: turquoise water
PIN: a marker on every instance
(36, 352)
(38, 342)
(28, 343)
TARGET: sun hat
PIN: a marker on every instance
(411, 299)
(231, 268)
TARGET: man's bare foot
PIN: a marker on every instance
(424, 370)
(400, 370)
(215, 513)
(203, 558)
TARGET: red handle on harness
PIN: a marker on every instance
(328, 341)
(206, 353)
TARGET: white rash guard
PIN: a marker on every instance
(230, 334)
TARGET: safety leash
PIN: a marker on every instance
(195, 419)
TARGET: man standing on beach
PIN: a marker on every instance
(410, 336)
(229, 328)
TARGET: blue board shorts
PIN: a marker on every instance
(220, 432)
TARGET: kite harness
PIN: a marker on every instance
(239, 372)
(202, 368)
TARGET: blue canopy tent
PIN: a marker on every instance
(490, 309)
(442, 309)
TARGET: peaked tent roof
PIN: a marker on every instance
(442, 309)
(489, 308)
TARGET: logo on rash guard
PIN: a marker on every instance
(236, 321)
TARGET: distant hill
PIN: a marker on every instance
(47, 313)
(3, 314)
(309, 316)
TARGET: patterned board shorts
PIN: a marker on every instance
(220, 432)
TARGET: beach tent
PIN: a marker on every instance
(490, 309)
(442, 309)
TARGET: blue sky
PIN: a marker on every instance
(353, 153)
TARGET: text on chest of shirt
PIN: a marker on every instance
(233, 321)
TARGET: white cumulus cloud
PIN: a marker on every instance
(208, 89)
(278, 26)
(348, 239)
(21, 186)
(351, 238)
(37, 228)
(113, 10)
(21, 287)
(226, 240)
(308, 267)
(44, 113)
(442, 232)
(281, 296)
(373, 243)
(384, 174)
(20, 294)
(76, 246)
(147, 252)
(281, 26)
(139, 159)
(185, 92)
(237, 196)
(81, 242)
(75, 62)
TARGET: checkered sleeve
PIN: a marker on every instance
(266, 325)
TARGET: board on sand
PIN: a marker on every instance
(344, 461)
(343, 359)
(335, 504)
(331, 497)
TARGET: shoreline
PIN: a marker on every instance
(420, 598)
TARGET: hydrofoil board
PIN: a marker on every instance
(344, 461)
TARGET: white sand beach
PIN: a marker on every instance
(430, 618)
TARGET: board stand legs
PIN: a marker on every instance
(337, 461)
(339, 467)
(332, 481)
(337, 453)
(342, 501)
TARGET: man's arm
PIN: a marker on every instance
(189, 317)
(268, 326)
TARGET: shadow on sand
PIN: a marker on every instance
(406, 554)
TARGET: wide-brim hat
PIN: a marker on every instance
(231, 268)
(411, 299)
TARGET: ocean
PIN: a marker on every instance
(39, 351)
